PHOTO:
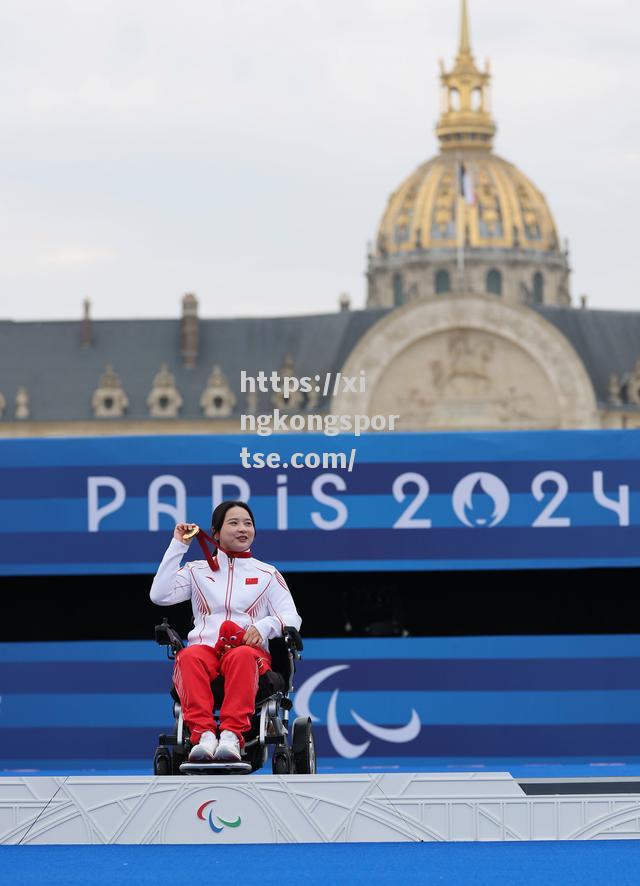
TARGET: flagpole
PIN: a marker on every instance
(460, 223)
(460, 233)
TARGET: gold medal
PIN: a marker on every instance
(191, 533)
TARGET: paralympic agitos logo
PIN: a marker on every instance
(346, 748)
(209, 818)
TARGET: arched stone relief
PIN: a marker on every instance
(469, 362)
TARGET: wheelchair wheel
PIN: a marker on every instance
(281, 762)
(162, 762)
(303, 746)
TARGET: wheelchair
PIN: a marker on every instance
(269, 722)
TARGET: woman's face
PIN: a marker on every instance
(237, 531)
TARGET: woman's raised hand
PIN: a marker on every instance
(181, 529)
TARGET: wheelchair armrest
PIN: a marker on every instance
(166, 636)
(293, 638)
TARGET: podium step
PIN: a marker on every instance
(364, 807)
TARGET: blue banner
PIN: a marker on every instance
(103, 705)
(376, 502)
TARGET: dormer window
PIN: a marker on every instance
(164, 400)
(217, 400)
(109, 398)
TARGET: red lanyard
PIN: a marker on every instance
(203, 538)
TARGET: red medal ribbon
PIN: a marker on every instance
(203, 538)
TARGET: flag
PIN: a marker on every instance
(466, 189)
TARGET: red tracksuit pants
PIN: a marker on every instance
(197, 666)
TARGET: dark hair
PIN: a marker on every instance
(217, 518)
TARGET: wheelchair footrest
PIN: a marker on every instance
(215, 768)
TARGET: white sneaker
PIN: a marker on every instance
(228, 748)
(204, 751)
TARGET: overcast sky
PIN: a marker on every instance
(245, 150)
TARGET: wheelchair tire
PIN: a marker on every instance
(303, 746)
(281, 763)
(162, 762)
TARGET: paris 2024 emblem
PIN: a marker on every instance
(480, 499)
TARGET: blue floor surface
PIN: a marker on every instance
(511, 864)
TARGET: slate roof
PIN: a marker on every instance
(60, 375)
(607, 341)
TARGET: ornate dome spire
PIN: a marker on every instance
(467, 219)
(465, 121)
(465, 42)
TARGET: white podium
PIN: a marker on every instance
(367, 807)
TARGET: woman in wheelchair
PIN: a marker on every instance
(239, 603)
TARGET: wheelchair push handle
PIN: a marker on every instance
(292, 634)
(166, 636)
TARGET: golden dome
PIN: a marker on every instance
(502, 208)
(466, 196)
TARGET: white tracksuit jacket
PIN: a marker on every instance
(244, 590)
